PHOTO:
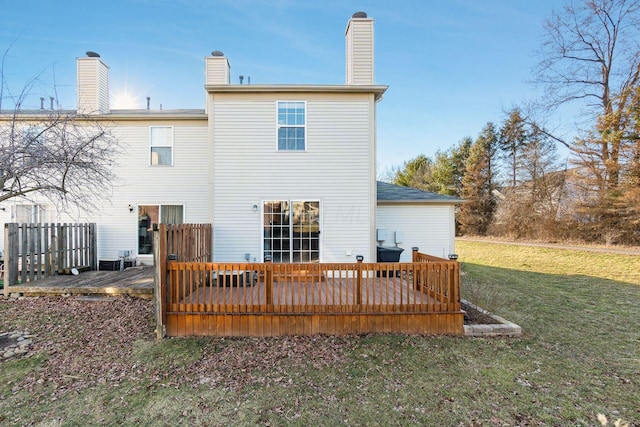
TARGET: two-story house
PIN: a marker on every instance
(281, 171)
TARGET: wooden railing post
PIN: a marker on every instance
(454, 286)
(416, 272)
(359, 258)
(268, 280)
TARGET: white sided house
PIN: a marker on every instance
(281, 171)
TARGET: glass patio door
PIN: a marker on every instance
(291, 230)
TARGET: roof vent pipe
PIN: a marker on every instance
(51, 102)
(148, 102)
(42, 102)
(241, 77)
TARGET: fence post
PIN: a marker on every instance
(10, 256)
(93, 246)
(268, 280)
(159, 276)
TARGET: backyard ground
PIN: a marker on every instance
(96, 363)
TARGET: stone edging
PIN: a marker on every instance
(503, 328)
(17, 344)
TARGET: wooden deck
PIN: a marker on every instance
(136, 281)
(196, 298)
(388, 305)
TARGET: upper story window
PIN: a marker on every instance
(34, 136)
(292, 125)
(161, 145)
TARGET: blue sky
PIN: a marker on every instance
(451, 66)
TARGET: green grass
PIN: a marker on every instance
(579, 356)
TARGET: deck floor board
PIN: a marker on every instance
(137, 281)
(342, 291)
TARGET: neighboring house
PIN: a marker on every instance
(286, 171)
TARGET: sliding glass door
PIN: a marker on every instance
(291, 230)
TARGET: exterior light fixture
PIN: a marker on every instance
(359, 258)
(130, 208)
(453, 257)
(254, 208)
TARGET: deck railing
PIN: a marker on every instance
(312, 288)
(36, 251)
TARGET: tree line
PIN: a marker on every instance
(513, 180)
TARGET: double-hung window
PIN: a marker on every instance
(292, 125)
(161, 145)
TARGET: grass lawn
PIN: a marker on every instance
(579, 356)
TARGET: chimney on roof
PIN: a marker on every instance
(93, 85)
(359, 47)
(217, 69)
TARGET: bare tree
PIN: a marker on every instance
(55, 154)
(591, 55)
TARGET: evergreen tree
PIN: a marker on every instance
(416, 173)
(513, 138)
(478, 184)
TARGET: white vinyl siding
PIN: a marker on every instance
(138, 185)
(335, 170)
(93, 86)
(430, 227)
(359, 46)
(216, 70)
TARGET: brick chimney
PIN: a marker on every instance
(93, 85)
(217, 69)
(359, 41)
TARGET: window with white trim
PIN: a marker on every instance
(31, 214)
(292, 125)
(161, 145)
(33, 135)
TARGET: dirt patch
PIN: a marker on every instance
(473, 316)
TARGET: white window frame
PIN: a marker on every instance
(31, 131)
(160, 145)
(291, 202)
(40, 213)
(284, 125)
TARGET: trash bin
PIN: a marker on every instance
(389, 254)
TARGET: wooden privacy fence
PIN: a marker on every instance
(180, 242)
(36, 251)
